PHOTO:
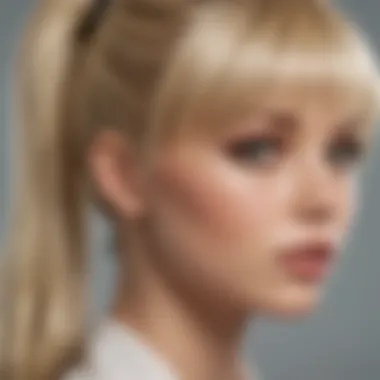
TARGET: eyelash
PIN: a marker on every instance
(252, 149)
(352, 149)
(256, 150)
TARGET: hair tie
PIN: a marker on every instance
(93, 19)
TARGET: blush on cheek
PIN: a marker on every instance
(213, 224)
(213, 200)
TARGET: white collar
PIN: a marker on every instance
(117, 352)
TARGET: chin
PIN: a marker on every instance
(290, 304)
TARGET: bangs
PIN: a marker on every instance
(233, 61)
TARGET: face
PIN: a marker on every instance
(254, 215)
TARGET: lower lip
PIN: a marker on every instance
(307, 266)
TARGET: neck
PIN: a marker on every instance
(199, 338)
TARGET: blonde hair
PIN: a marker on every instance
(145, 67)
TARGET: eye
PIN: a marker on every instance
(259, 151)
(347, 152)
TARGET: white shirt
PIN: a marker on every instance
(116, 352)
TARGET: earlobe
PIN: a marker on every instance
(114, 168)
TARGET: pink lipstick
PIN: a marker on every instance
(308, 261)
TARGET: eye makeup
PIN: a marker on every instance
(345, 151)
(265, 142)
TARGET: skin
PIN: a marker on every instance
(207, 226)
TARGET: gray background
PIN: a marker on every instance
(341, 341)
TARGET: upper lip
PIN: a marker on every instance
(321, 249)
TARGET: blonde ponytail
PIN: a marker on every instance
(42, 316)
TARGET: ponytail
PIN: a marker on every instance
(42, 312)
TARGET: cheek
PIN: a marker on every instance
(348, 198)
(216, 203)
(216, 218)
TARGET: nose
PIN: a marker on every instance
(316, 195)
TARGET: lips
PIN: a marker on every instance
(309, 260)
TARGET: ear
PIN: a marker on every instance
(115, 171)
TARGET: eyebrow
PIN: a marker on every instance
(356, 125)
(282, 121)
